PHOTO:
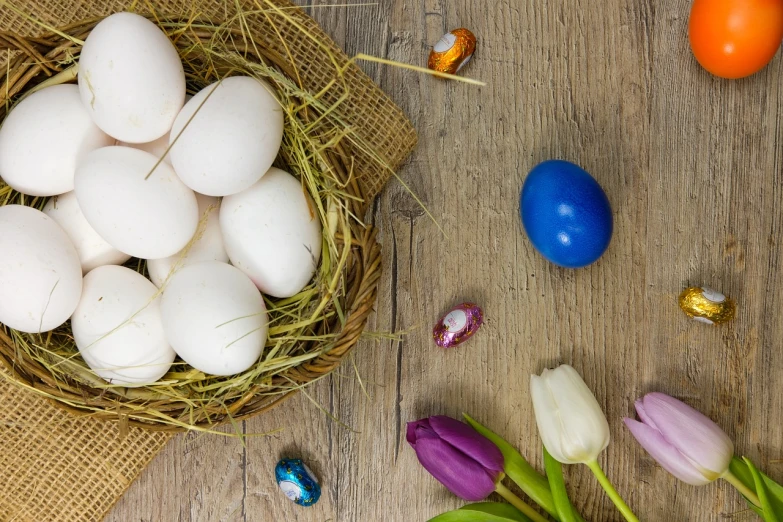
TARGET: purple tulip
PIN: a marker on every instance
(462, 459)
(683, 441)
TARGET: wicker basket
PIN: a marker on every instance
(282, 40)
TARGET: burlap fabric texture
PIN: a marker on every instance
(54, 467)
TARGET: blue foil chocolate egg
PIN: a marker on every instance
(297, 482)
(566, 214)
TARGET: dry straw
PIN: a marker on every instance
(310, 333)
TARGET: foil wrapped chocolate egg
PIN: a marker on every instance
(707, 305)
(297, 482)
(458, 325)
(453, 51)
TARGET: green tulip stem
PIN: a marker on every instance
(613, 494)
(749, 494)
(518, 503)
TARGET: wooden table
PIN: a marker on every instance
(693, 167)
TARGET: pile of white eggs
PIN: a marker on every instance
(217, 224)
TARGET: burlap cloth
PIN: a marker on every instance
(54, 467)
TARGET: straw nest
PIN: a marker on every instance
(309, 334)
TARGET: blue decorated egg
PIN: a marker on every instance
(566, 214)
(297, 482)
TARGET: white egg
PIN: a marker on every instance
(208, 247)
(131, 79)
(215, 318)
(150, 218)
(272, 233)
(157, 148)
(93, 250)
(118, 329)
(232, 140)
(40, 274)
(43, 138)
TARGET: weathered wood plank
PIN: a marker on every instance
(693, 168)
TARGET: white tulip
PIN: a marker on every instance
(572, 426)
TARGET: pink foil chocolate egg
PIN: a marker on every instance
(458, 325)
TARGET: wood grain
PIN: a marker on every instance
(692, 165)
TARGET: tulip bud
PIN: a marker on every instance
(572, 426)
(685, 443)
(463, 460)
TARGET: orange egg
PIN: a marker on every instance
(735, 38)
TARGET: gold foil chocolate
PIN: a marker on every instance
(452, 51)
(707, 305)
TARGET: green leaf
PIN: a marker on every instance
(741, 470)
(762, 492)
(520, 471)
(483, 512)
(554, 472)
